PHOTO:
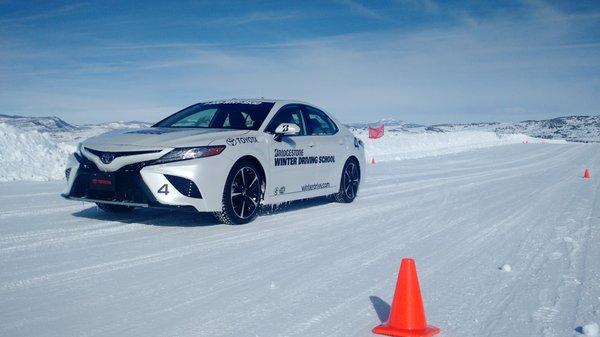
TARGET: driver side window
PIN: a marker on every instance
(287, 114)
(242, 118)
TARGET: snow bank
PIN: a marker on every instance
(399, 146)
(591, 330)
(30, 155)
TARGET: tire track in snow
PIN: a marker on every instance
(26, 195)
(73, 274)
(539, 258)
(91, 233)
(39, 211)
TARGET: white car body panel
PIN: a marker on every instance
(283, 182)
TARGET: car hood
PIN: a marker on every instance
(158, 138)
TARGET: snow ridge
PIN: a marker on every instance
(401, 146)
(31, 155)
(37, 148)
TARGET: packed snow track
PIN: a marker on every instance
(319, 268)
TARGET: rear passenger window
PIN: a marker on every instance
(318, 124)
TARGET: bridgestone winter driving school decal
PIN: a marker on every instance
(296, 157)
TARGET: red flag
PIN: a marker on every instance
(376, 132)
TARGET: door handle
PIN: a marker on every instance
(311, 144)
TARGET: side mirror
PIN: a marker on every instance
(286, 129)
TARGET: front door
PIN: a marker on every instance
(292, 159)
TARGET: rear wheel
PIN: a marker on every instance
(242, 194)
(349, 182)
(110, 208)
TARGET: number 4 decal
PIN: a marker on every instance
(164, 189)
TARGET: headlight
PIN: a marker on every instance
(187, 153)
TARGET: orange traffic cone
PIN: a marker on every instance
(407, 316)
(372, 160)
(586, 174)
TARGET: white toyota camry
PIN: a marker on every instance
(226, 157)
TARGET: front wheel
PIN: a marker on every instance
(242, 194)
(349, 182)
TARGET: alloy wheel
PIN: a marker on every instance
(245, 192)
(351, 180)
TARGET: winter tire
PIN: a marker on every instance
(349, 182)
(242, 194)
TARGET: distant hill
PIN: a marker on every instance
(119, 125)
(53, 124)
(571, 128)
(64, 132)
(41, 124)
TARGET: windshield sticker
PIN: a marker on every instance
(235, 101)
(241, 140)
(297, 157)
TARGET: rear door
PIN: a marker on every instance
(292, 160)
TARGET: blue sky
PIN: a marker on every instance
(421, 61)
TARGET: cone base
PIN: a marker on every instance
(385, 329)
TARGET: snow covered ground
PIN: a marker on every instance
(316, 268)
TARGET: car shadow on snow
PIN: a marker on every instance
(186, 217)
(151, 217)
(295, 205)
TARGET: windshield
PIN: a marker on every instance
(239, 115)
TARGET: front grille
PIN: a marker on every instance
(129, 186)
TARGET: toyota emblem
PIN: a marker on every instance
(107, 158)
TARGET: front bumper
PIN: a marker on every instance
(189, 184)
(122, 203)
